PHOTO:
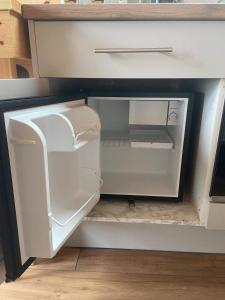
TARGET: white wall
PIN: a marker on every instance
(18, 88)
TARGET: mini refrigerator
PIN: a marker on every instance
(60, 154)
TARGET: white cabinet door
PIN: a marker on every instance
(55, 168)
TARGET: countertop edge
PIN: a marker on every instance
(120, 12)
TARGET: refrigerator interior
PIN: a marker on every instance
(141, 144)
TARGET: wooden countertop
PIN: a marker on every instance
(134, 12)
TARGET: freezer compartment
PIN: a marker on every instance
(141, 146)
(148, 112)
(54, 155)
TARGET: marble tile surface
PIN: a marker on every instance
(145, 211)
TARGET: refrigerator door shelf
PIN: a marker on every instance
(55, 166)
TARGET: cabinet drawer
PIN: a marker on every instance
(68, 49)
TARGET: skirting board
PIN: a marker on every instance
(148, 237)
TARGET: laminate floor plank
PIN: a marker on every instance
(151, 262)
(65, 260)
(105, 274)
(48, 284)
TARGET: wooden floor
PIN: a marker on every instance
(86, 274)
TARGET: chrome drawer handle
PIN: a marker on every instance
(134, 50)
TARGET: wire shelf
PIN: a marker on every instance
(152, 139)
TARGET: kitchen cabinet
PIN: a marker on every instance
(140, 51)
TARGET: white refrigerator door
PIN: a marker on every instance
(55, 167)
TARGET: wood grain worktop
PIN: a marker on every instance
(192, 12)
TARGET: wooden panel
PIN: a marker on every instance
(151, 262)
(14, 41)
(125, 12)
(67, 49)
(66, 259)
(21, 47)
(10, 5)
(26, 64)
(6, 70)
(6, 40)
(9, 68)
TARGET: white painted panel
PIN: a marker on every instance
(214, 95)
(148, 237)
(33, 48)
(216, 217)
(67, 49)
(21, 88)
